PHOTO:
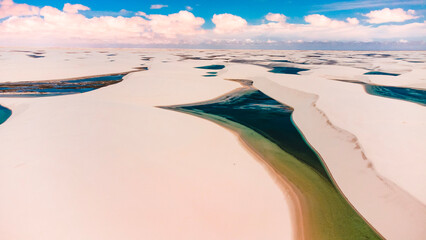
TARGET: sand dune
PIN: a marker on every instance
(109, 164)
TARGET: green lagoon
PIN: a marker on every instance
(266, 127)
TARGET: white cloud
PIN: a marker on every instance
(276, 17)
(188, 8)
(410, 31)
(323, 21)
(390, 15)
(140, 13)
(228, 23)
(353, 21)
(54, 27)
(28, 25)
(158, 6)
(74, 8)
(8, 8)
(181, 23)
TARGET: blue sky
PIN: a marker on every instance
(384, 24)
(251, 10)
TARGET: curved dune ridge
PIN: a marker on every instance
(265, 126)
(109, 164)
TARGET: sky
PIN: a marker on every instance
(269, 24)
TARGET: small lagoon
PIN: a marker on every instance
(212, 67)
(268, 117)
(53, 88)
(58, 87)
(287, 70)
(401, 93)
(381, 73)
(5, 113)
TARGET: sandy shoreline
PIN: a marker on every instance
(412, 209)
(88, 175)
(294, 197)
(304, 215)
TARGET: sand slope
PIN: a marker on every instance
(111, 165)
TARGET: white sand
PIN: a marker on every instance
(388, 187)
(108, 165)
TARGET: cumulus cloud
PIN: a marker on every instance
(228, 23)
(158, 6)
(8, 8)
(189, 8)
(181, 23)
(68, 27)
(74, 8)
(323, 21)
(140, 13)
(410, 31)
(28, 25)
(276, 17)
(390, 15)
(353, 21)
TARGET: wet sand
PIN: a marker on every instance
(320, 211)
